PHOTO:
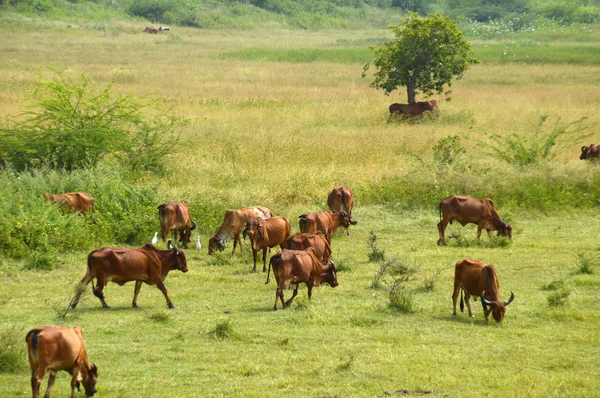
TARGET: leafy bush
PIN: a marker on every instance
(558, 298)
(376, 253)
(399, 298)
(448, 150)
(11, 351)
(585, 263)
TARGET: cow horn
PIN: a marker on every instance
(169, 244)
(512, 297)
(353, 222)
(483, 300)
(193, 226)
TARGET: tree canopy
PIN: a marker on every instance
(425, 56)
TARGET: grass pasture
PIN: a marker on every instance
(278, 118)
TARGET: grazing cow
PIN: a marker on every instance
(164, 29)
(151, 29)
(412, 110)
(234, 223)
(465, 210)
(54, 348)
(300, 266)
(265, 234)
(323, 222)
(81, 202)
(302, 241)
(341, 198)
(146, 264)
(589, 152)
(175, 216)
(475, 278)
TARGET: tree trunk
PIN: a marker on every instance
(410, 90)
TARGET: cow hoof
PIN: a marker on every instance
(171, 306)
(73, 306)
(275, 308)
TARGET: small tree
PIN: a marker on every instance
(426, 54)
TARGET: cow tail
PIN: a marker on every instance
(462, 303)
(440, 207)
(274, 261)
(89, 264)
(32, 341)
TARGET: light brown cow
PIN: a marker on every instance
(298, 267)
(146, 264)
(266, 234)
(81, 202)
(412, 110)
(151, 29)
(234, 223)
(52, 349)
(477, 279)
(302, 241)
(175, 216)
(341, 198)
(323, 222)
(589, 152)
(465, 210)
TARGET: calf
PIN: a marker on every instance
(299, 267)
(412, 110)
(233, 224)
(475, 278)
(52, 349)
(265, 234)
(80, 202)
(323, 222)
(151, 29)
(302, 241)
(589, 152)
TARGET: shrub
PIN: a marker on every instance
(223, 330)
(448, 150)
(399, 299)
(11, 352)
(558, 298)
(558, 284)
(376, 253)
(585, 263)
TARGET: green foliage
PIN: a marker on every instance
(569, 11)
(448, 150)
(223, 330)
(160, 317)
(542, 144)
(558, 298)
(486, 10)
(72, 125)
(376, 253)
(11, 351)
(400, 299)
(558, 284)
(426, 55)
(585, 263)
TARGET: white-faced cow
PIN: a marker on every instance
(465, 210)
(175, 216)
(234, 223)
(477, 279)
(54, 348)
(146, 264)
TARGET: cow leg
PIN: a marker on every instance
(264, 259)
(74, 384)
(98, 291)
(468, 302)
(289, 302)
(138, 286)
(80, 288)
(479, 229)
(163, 289)
(51, 379)
(441, 229)
(455, 298)
(254, 255)
(236, 239)
(279, 295)
(36, 381)
(310, 287)
(486, 311)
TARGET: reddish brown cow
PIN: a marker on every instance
(234, 223)
(341, 198)
(412, 110)
(146, 264)
(589, 152)
(475, 278)
(175, 216)
(465, 210)
(300, 267)
(151, 29)
(81, 202)
(54, 348)
(265, 234)
(302, 241)
(323, 222)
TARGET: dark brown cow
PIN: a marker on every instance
(478, 279)
(323, 222)
(146, 264)
(299, 267)
(589, 152)
(302, 241)
(81, 202)
(151, 29)
(412, 110)
(341, 198)
(234, 223)
(465, 210)
(52, 349)
(175, 216)
(265, 234)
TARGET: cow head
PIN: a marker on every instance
(331, 278)
(88, 378)
(180, 261)
(255, 230)
(345, 218)
(585, 150)
(497, 308)
(505, 230)
(215, 244)
(428, 105)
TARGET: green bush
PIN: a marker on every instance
(448, 150)
(11, 351)
(558, 298)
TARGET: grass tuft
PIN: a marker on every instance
(558, 298)
(11, 351)
(223, 330)
(160, 317)
(585, 264)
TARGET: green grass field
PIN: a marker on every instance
(278, 118)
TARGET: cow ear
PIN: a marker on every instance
(94, 369)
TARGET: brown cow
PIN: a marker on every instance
(151, 29)
(341, 198)
(323, 222)
(146, 264)
(234, 223)
(54, 348)
(300, 267)
(265, 234)
(465, 210)
(478, 279)
(412, 110)
(302, 241)
(81, 202)
(175, 216)
(589, 152)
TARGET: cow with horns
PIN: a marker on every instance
(175, 216)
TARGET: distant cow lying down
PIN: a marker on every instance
(589, 152)
(151, 29)
(412, 110)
